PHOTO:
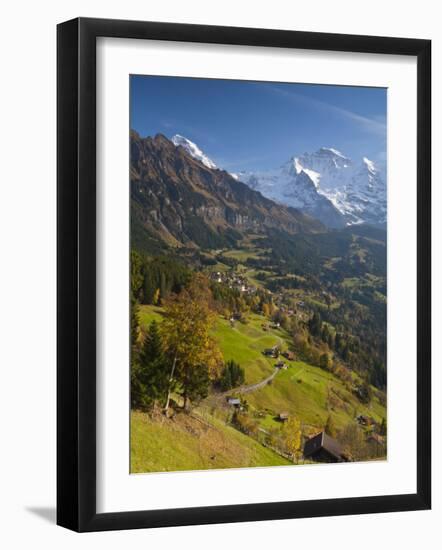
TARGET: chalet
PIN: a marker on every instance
(289, 355)
(234, 401)
(280, 365)
(283, 416)
(272, 352)
(323, 448)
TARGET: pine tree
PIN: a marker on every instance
(151, 375)
(152, 345)
(315, 324)
(232, 376)
(226, 379)
(134, 328)
(196, 384)
(136, 274)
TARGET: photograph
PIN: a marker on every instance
(258, 298)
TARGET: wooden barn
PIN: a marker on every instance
(272, 352)
(323, 448)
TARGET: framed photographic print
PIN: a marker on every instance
(243, 274)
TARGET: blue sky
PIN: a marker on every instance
(245, 125)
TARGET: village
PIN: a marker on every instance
(285, 392)
(233, 280)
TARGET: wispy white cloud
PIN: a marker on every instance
(375, 125)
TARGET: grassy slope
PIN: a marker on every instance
(243, 343)
(185, 443)
(301, 390)
(147, 314)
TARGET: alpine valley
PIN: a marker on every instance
(324, 184)
(258, 309)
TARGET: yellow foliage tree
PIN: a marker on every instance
(156, 297)
(292, 437)
(266, 310)
(187, 340)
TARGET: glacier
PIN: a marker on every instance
(325, 184)
(193, 150)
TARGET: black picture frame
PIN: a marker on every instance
(76, 274)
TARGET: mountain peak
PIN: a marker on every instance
(330, 151)
(371, 167)
(193, 150)
(161, 139)
(327, 185)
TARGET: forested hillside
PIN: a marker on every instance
(248, 317)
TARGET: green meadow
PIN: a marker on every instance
(307, 392)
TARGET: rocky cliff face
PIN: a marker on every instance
(181, 201)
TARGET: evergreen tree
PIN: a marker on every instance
(151, 375)
(226, 379)
(134, 310)
(196, 384)
(232, 376)
(325, 334)
(315, 324)
(152, 349)
(136, 274)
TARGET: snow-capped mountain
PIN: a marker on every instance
(193, 150)
(327, 185)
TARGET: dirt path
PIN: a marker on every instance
(251, 387)
(258, 385)
(246, 389)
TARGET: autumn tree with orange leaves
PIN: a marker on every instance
(192, 352)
